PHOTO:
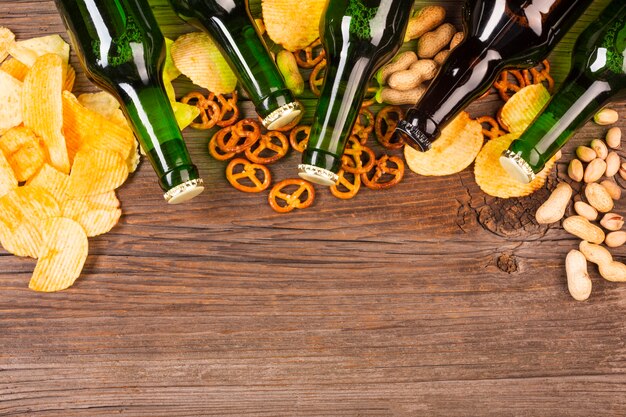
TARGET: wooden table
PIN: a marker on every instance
(430, 299)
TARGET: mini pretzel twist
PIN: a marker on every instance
(316, 80)
(299, 137)
(539, 76)
(210, 111)
(363, 131)
(352, 159)
(249, 171)
(382, 168)
(215, 150)
(343, 183)
(385, 125)
(236, 133)
(504, 85)
(292, 200)
(267, 143)
(310, 59)
(493, 131)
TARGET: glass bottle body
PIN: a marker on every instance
(499, 34)
(122, 50)
(358, 36)
(598, 75)
(229, 23)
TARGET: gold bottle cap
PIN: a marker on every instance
(317, 175)
(184, 192)
(283, 115)
(517, 167)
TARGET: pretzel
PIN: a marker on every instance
(352, 159)
(228, 105)
(299, 144)
(363, 131)
(233, 143)
(493, 131)
(372, 100)
(216, 152)
(210, 112)
(315, 82)
(292, 200)
(380, 169)
(351, 187)
(249, 172)
(279, 151)
(539, 76)
(385, 126)
(503, 85)
(310, 60)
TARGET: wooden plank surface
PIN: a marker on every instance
(430, 299)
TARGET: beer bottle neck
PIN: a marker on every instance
(575, 103)
(153, 122)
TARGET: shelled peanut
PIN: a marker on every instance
(595, 222)
(404, 80)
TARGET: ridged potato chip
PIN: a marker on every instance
(36, 202)
(24, 241)
(10, 102)
(70, 78)
(185, 114)
(8, 181)
(96, 171)
(521, 109)
(15, 68)
(95, 214)
(102, 103)
(24, 151)
(61, 257)
(294, 24)
(494, 180)
(53, 181)
(196, 55)
(6, 40)
(42, 107)
(86, 128)
(454, 151)
(29, 50)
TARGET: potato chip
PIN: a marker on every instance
(293, 23)
(94, 217)
(8, 181)
(36, 202)
(86, 128)
(24, 151)
(10, 102)
(185, 114)
(96, 171)
(29, 50)
(61, 257)
(15, 68)
(53, 181)
(196, 55)
(42, 107)
(70, 78)
(454, 151)
(6, 40)
(132, 162)
(169, 69)
(25, 240)
(494, 180)
(102, 103)
(521, 109)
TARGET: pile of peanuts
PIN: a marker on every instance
(403, 80)
(595, 222)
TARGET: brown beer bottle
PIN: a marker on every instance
(499, 34)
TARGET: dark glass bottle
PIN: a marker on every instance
(359, 36)
(499, 34)
(229, 23)
(598, 75)
(122, 50)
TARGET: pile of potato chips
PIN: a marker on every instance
(61, 160)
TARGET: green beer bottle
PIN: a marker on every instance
(230, 25)
(359, 36)
(122, 50)
(499, 34)
(598, 75)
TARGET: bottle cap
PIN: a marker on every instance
(317, 175)
(413, 136)
(185, 191)
(283, 115)
(517, 167)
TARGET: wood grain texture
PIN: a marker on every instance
(430, 299)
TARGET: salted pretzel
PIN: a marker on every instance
(382, 168)
(504, 85)
(362, 131)
(352, 159)
(250, 172)
(215, 150)
(307, 57)
(343, 183)
(229, 138)
(539, 76)
(292, 200)
(316, 79)
(210, 112)
(385, 125)
(268, 143)
(229, 114)
(299, 137)
(493, 130)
